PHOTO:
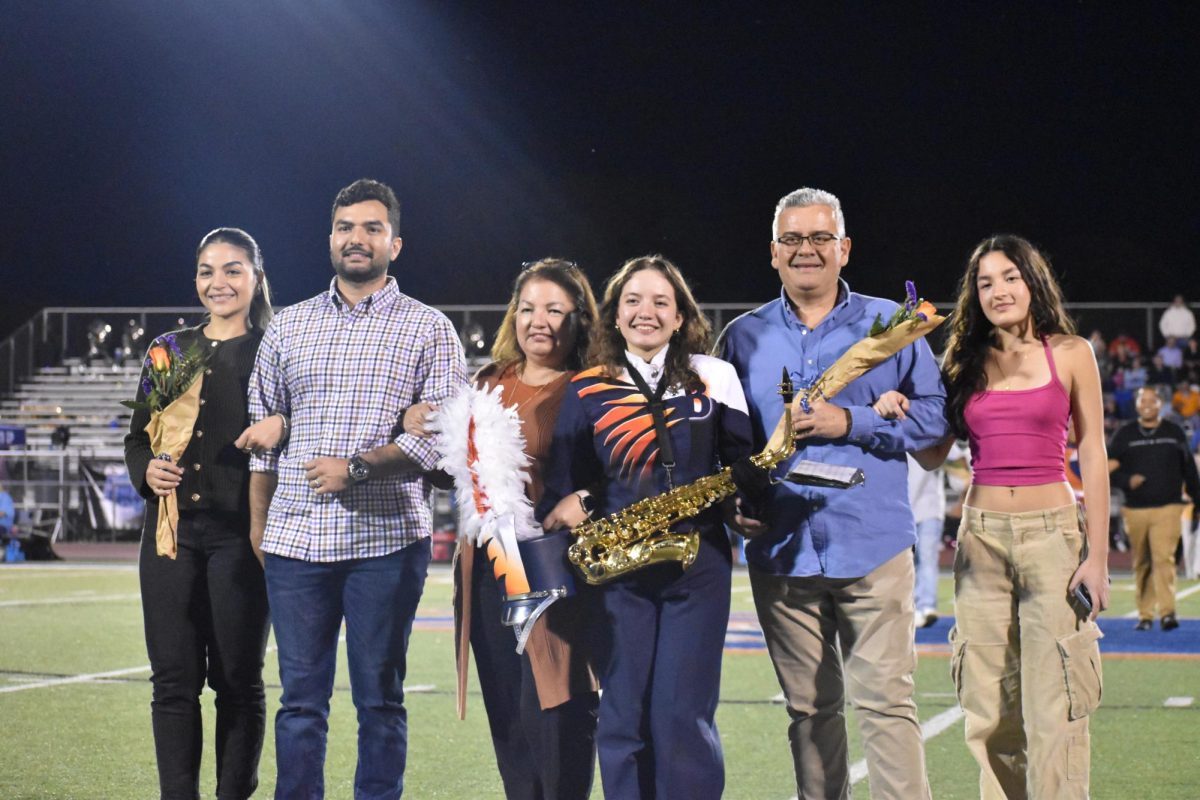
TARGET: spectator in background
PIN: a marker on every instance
(1123, 348)
(1134, 376)
(1112, 416)
(927, 496)
(1150, 461)
(1159, 374)
(7, 512)
(1177, 321)
(1172, 353)
(1103, 360)
(1191, 360)
(1186, 404)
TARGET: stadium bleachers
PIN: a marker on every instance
(85, 399)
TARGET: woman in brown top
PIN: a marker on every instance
(541, 705)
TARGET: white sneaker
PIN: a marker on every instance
(926, 617)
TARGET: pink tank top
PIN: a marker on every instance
(1019, 437)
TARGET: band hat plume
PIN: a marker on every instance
(170, 432)
(483, 450)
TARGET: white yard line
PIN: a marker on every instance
(29, 569)
(929, 729)
(71, 600)
(1188, 592)
(91, 677)
(87, 678)
(1178, 702)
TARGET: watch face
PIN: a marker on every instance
(359, 470)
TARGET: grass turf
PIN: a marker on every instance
(91, 740)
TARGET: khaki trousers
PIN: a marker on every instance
(1025, 664)
(829, 638)
(1153, 535)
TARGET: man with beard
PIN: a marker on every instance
(346, 536)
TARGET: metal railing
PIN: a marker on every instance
(54, 334)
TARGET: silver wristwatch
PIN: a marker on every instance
(358, 469)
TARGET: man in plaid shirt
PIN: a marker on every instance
(347, 532)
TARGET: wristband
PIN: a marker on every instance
(587, 503)
(849, 421)
(287, 427)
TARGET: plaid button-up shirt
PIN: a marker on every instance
(344, 376)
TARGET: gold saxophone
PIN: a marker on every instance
(640, 534)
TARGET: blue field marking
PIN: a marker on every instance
(1119, 637)
(744, 635)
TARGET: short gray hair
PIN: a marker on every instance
(808, 196)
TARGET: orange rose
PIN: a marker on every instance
(160, 360)
(927, 308)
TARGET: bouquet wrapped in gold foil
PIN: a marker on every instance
(916, 318)
(172, 390)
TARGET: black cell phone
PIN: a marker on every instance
(1083, 597)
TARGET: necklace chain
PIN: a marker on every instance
(1020, 361)
(517, 384)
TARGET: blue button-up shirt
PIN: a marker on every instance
(838, 533)
(344, 375)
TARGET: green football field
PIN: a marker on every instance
(74, 702)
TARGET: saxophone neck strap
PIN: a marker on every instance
(654, 402)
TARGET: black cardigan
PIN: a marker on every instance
(216, 476)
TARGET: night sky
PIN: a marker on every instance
(513, 131)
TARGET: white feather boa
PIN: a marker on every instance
(490, 486)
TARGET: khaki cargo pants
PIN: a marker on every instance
(1025, 663)
(1154, 534)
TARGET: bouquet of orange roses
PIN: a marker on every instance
(916, 318)
(172, 396)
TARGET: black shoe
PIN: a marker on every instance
(1144, 625)
(1169, 623)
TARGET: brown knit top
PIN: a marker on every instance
(537, 407)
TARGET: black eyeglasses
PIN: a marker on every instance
(817, 239)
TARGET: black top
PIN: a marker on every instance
(1162, 457)
(216, 474)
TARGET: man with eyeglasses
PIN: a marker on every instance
(832, 569)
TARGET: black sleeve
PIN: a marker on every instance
(1191, 476)
(137, 441)
(1116, 451)
(572, 462)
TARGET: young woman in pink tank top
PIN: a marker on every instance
(1026, 657)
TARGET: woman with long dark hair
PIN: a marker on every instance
(204, 601)
(541, 705)
(1029, 579)
(663, 628)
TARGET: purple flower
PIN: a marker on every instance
(146, 387)
(169, 339)
(910, 289)
(921, 316)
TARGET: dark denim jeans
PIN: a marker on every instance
(378, 598)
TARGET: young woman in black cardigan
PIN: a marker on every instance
(205, 607)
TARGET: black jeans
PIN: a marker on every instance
(206, 617)
(542, 754)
